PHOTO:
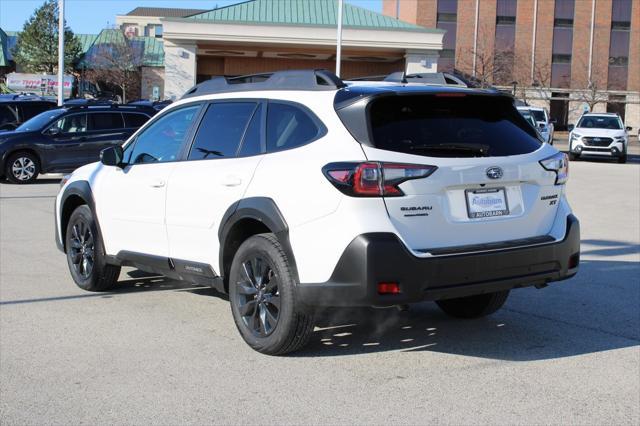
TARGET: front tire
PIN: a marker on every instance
(474, 306)
(261, 292)
(573, 156)
(85, 253)
(22, 167)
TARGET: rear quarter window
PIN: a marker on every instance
(290, 126)
(450, 126)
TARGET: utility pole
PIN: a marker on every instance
(339, 47)
(60, 52)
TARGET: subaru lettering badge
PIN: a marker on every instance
(494, 173)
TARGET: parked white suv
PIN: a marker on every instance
(294, 192)
(601, 135)
(544, 122)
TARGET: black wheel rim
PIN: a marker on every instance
(81, 249)
(258, 300)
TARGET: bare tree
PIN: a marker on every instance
(117, 62)
(489, 65)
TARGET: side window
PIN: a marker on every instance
(133, 121)
(162, 140)
(221, 130)
(6, 115)
(251, 144)
(105, 121)
(75, 123)
(289, 126)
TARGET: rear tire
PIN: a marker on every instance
(85, 253)
(474, 306)
(22, 167)
(262, 296)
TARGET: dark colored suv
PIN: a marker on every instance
(16, 109)
(61, 140)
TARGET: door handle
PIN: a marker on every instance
(232, 181)
(158, 183)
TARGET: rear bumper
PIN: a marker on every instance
(381, 257)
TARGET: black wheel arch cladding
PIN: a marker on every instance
(75, 194)
(261, 210)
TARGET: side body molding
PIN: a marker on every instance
(264, 210)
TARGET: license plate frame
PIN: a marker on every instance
(487, 213)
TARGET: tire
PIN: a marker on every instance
(623, 158)
(261, 285)
(474, 306)
(85, 253)
(573, 157)
(22, 167)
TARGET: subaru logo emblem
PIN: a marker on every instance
(494, 173)
(596, 139)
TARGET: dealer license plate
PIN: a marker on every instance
(486, 202)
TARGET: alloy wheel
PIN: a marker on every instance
(81, 249)
(258, 299)
(23, 168)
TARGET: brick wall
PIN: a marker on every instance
(601, 40)
(634, 49)
(544, 39)
(464, 35)
(580, 47)
(523, 43)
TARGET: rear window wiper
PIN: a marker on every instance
(482, 150)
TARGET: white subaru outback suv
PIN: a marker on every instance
(599, 135)
(295, 191)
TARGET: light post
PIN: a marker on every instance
(339, 37)
(60, 52)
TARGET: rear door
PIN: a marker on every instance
(105, 129)
(227, 147)
(489, 185)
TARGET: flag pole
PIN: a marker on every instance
(60, 52)
(339, 47)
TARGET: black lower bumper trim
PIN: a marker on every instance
(381, 257)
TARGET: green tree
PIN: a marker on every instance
(36, 49)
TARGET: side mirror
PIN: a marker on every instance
(53, 131)
(570, 127)
(628, 128)
(112, 156)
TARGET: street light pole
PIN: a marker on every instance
(60, 52)
(339, 49)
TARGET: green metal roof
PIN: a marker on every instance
(4, 60)
(305, 12)
(149, 50)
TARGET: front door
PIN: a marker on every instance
(130, 200)
(65, 142)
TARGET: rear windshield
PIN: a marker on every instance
(595, 122)
(445, 126)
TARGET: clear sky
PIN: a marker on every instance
(90, 16)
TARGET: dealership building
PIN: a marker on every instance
(267, 35)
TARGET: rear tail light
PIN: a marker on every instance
(388, 288)
(558, 163)
(373, 179)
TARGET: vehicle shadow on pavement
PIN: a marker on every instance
(40, 181)
(599, 310)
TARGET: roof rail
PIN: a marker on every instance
(317, 80)
(97, 105)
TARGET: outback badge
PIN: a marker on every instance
(494, 172)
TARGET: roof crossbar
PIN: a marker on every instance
(315, 80)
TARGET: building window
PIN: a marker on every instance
(447, 17)
(562, 43)
(619, 45)
(153, 30)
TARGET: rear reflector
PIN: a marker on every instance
(388, 288)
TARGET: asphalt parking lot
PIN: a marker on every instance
(162, 352)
